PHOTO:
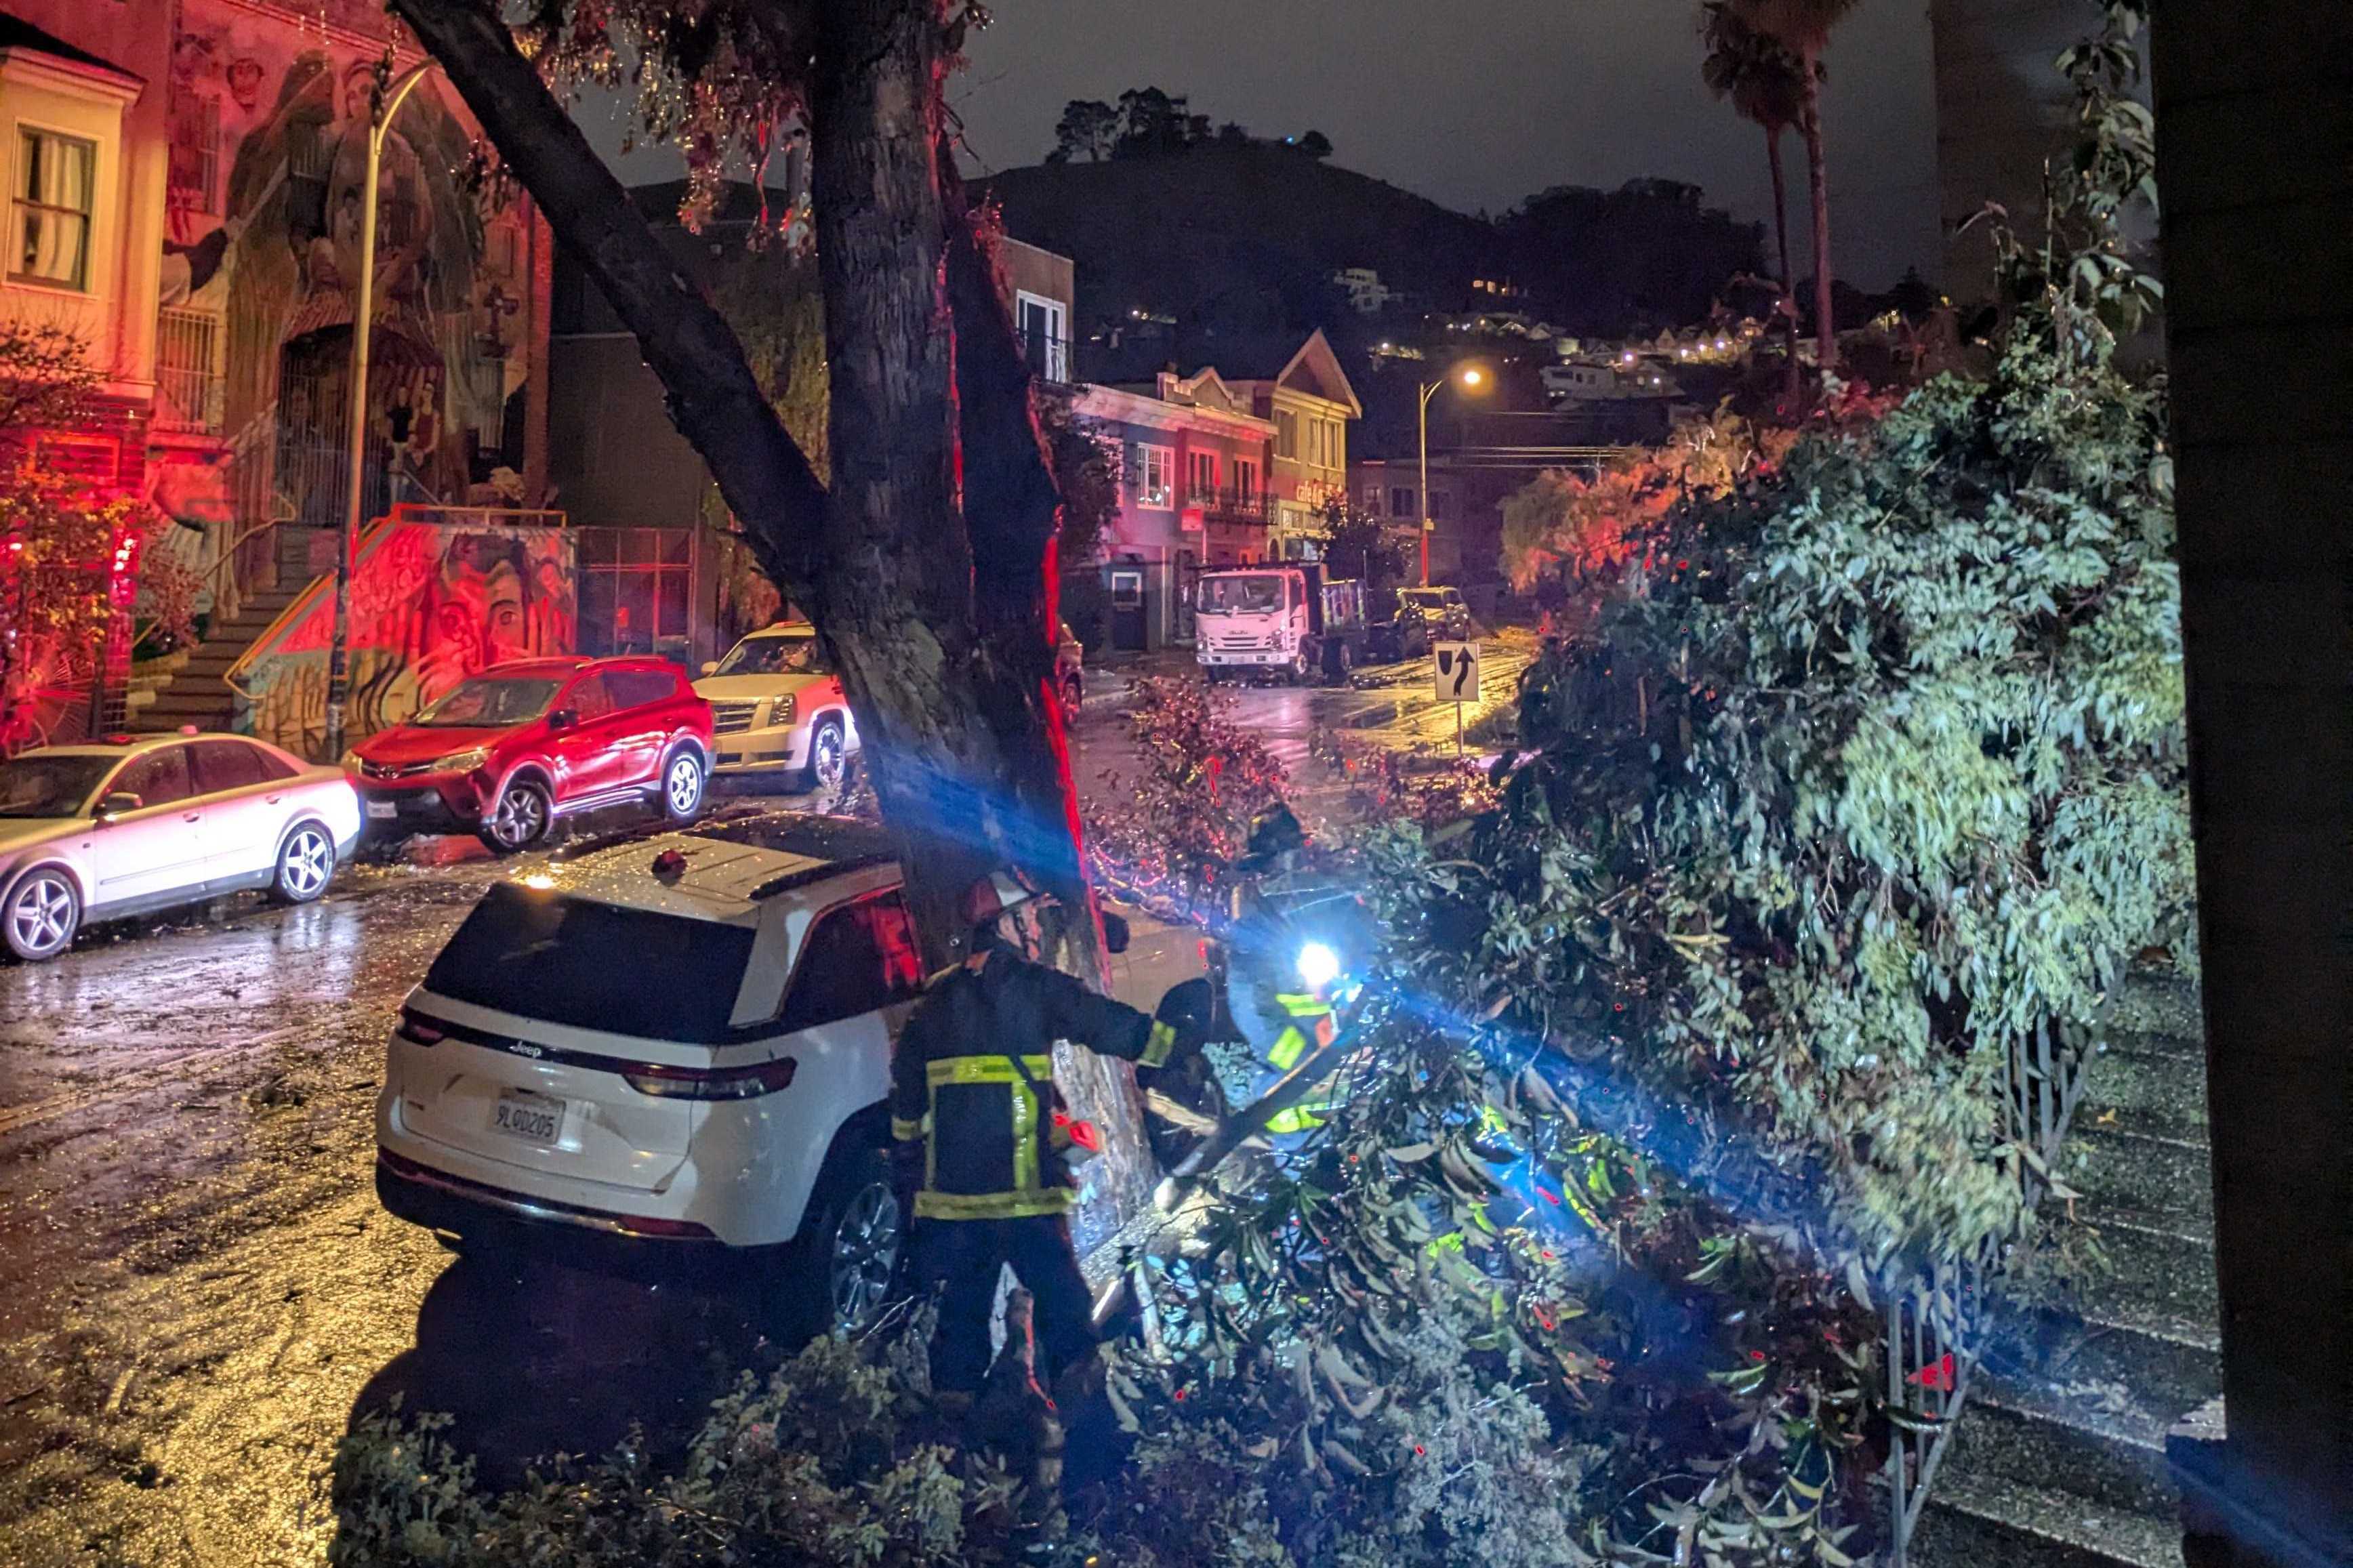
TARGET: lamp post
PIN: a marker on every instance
(1472, 379)
(386, 101)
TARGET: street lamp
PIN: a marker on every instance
(1470, 378)
(385, 103)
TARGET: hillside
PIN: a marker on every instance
(1237, 243)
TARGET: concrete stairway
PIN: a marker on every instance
(197, 693)
(2058, 1460)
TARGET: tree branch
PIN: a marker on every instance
(714, 398)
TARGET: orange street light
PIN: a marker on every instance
(1474, 379)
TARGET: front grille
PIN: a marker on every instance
(393, 769)
(732, 718)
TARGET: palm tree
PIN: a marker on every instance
(1803, 28)
(1764, 83)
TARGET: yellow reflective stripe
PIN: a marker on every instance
(1288, 1046)
(1158, 1046)
(1302, 1005)
(996, 1069)
(1298, 1118)
(993, 1205)
(908, 1131)
(1026, 1116)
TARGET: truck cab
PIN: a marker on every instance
(1286, 619)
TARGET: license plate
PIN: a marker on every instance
(383, 810)
(532, 1118)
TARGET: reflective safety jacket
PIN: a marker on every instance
(986, 1124)
(1307, 1024)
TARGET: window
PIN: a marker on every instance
(195, 164)
(1246, 479)
(1128, 590)
(590, 699)
(636, 688)
(1155, 476)
(488, 701)
(595, 966)
(159, 778)
(229, 765)
(1201, 474)
(1401, 500)
(1045, 337)
(1376, 497)
(185, 354)
(1441, 506)
(1287, 434)
(856, 959)
(57, 178)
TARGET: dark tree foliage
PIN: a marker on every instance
(1647, 254)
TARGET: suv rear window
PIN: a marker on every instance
(592, 965)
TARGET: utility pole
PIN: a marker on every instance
(387, 100)
(1472, 379)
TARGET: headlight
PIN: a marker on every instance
(462, 761)
(781, 708)
(1319, 967)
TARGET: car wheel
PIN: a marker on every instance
(1341, 662)
(40, 915)
(1296, 670)
(829, 762)
(519, 819)
(849, 1258)
(681, 787)
(306, 863)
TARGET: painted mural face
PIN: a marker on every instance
(269, 130)
(430, 606)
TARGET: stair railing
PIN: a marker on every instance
(1934, 1325)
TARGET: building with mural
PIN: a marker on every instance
(218, 159)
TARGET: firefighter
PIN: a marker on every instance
(1287, 966)
(980, 1143)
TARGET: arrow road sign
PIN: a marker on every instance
(1456, 675)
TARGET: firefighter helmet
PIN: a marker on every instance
(994, 895)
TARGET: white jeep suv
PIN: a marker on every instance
(667, 1050)
(776, 704)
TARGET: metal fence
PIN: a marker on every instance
(188, 383)
(1934, 1326)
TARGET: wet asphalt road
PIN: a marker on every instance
(199, 1288)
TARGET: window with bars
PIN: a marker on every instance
(194, 174)
(188, 374)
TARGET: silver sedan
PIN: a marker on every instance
(141, 823)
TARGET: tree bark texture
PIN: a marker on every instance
(1818, 185)
(1780, 207)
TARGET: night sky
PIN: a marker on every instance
(1477, 103)
(1473, 103)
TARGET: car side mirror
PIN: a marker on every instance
(710, 667)
(1115, 932)
(116, 802)
(563, 718)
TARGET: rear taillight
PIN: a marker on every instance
(419, 1030)
(711, 1083)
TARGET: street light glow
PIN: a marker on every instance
(1473, 376)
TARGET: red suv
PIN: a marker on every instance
(507, 752)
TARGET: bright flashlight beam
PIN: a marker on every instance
(1318, 965)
